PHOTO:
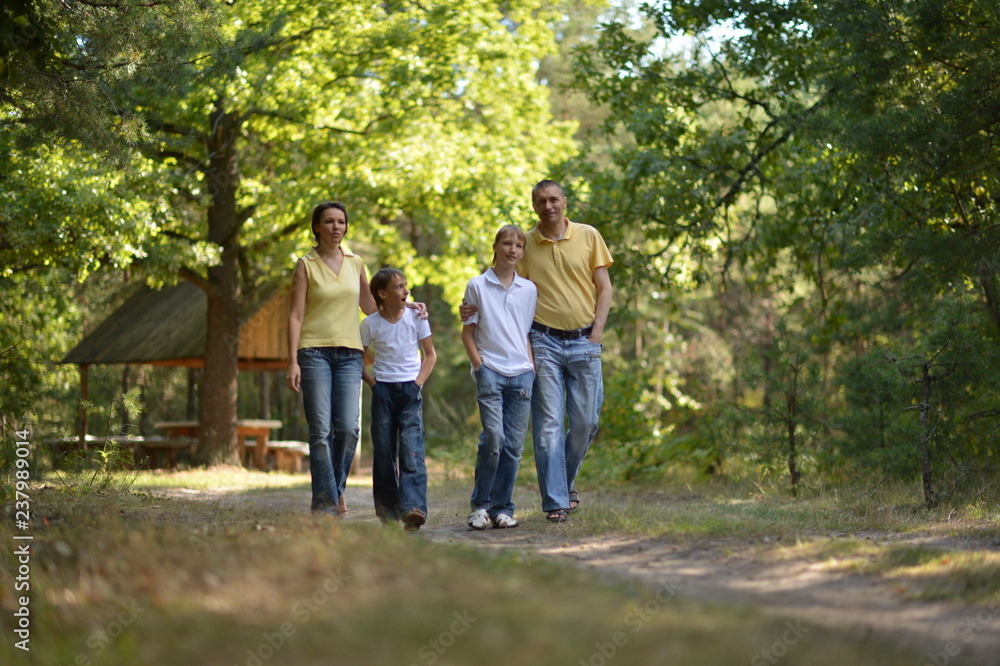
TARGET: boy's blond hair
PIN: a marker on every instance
(505, 231)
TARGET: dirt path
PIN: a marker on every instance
(804, 593)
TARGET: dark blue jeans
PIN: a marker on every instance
(399, 473)
(331, 394)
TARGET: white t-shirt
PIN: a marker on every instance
(502, 321)
(397, 346)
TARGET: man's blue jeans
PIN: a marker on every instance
(331, 391)
(504, 406)
(398, 434)
(565, 407)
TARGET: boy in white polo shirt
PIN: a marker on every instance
(496, 340)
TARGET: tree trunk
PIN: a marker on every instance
(219, 389)
(925, 456)
(987, 281)
(793, 468)
(791, 420)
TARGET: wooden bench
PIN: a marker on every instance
(289, 456)
(152, 448)
(257, 429)
(144, 449)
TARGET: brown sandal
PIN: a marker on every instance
(558, 516)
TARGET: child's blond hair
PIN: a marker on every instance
(505, 231)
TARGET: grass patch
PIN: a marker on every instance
(133, 577)
(222, 477)
(936, 574)
(722, 511)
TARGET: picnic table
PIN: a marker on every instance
(258, 429)
(145, 450)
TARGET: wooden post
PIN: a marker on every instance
(191, 410)
(122, 409)
(82, 410)
(265, 394)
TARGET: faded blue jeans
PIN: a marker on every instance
(331, 390)
(565, 407)
(504, 406)
(398, 435)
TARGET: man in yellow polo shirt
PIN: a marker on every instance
(569, 264)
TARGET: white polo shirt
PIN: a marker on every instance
(397, 346)
(502, 321)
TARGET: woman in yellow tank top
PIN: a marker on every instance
(329, 285)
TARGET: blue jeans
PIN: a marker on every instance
(565, 406)
(504, 406)
(398, 434)
(331, 391)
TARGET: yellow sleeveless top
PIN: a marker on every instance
(332, 303)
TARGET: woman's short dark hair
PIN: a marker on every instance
(318, 213)
(381, 280)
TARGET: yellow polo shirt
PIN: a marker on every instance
(332, 303)
(563, 271)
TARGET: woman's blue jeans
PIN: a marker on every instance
(331, 393)
(504, 407)
(398, 434)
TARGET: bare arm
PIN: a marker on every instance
(428, 361)
(367, 359)
(469, 340)
(365, 298)
(602, 280)
(296, 313)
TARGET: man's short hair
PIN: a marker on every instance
(542, 184)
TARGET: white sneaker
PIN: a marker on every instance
(479, 519)
(503, 521)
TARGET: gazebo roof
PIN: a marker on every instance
(167, 327)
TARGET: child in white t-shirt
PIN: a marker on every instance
(396, 336)
(496, 340)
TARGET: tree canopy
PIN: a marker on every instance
(427, 121)
(823, 173)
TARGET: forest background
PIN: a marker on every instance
(801, 199)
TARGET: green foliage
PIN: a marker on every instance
(37, 318)
(233, 120)
(109, 468)
(822, 169)
(788, 424)
(632, 438)
(883, 391)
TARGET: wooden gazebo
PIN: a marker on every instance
(167, 327)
